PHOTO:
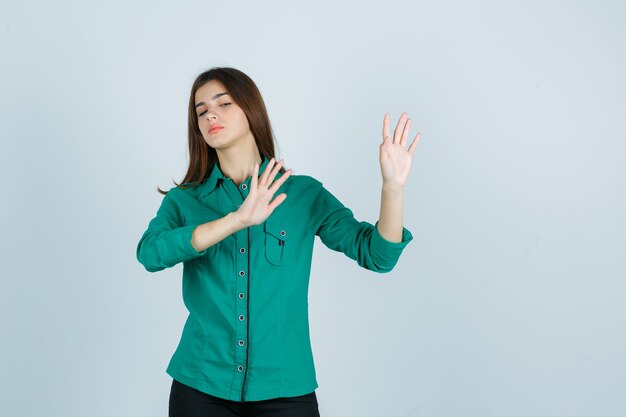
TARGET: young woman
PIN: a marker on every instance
(245, 348)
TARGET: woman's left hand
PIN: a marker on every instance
(395, 160)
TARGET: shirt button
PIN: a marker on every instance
(242, 317)
(241, 342)
(283, 233)
(241, 295)
(239, 206)
(240, 368)
(242, 250)
(242, 273)
(244, 186)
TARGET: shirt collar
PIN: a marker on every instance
(217, 176)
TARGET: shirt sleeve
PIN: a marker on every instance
(166, 242)
(361, 241)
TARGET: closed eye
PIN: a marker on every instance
(223, 105)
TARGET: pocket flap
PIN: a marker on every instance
(283, 228)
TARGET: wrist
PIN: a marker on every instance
(393, 187)
(237, 221)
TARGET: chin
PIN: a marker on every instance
(218, 144)
(210, 143)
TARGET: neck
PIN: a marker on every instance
(237, 163)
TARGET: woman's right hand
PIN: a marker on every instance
(257, 207)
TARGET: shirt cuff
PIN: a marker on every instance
(178, 245)
(386, 250)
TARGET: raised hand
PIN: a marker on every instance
(257, 207)
(395, 160)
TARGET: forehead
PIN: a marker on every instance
(208, 90)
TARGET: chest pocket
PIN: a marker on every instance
(282, 239)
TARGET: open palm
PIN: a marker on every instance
(395, 160)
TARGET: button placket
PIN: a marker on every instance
(241, 289)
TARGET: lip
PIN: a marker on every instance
(215, 128)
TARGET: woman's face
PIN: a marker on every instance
(215, 109)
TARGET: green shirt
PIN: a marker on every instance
(247, 334)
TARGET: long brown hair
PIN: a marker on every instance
(245, 93)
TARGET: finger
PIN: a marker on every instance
(276, 184)
(385, 127)
(405, 132)
(414, 144)
(399, 127)
(266, 172)
(279, 199)
(275, 171)
(255, 172)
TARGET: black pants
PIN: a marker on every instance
(186, 401)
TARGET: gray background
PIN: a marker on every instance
(509, 301)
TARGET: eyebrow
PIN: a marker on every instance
(212, 99)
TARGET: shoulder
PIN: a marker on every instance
(305, 182)
(184, 191)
